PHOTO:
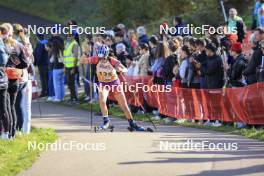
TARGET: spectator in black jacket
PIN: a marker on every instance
(153, 41)
(201, 58)
(260, 68)
(214, 74)
(41, 60)
(121, 53)
(235, 71)
(251, 69)
(256, 37)
(171, 61)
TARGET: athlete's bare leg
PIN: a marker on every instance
(103, 94)
(120, 97)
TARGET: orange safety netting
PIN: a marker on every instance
(231, 105)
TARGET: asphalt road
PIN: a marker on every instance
(123, 153)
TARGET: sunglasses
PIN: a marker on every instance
(4, 32)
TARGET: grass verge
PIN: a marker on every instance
(115, 111)
(251, 133)
(15, 156)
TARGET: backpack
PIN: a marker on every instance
(16, 60)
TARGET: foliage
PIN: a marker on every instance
(130, 12)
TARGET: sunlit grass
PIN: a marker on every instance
(15, 155)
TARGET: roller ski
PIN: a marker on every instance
(106, 126)
(134, 127)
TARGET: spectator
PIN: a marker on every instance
(56, 58)
(235, 71)
(55, 38)
(259, 13)
(194, 67)
(73, 25)
(41, 60)
(202, 60)
(260, 68)
(121, 53)
(74, 31)
(4, 118)
(126, 39)
(153, 41)
(14, 72)
(185, 55)
(171, 61)
(236, 25)
(142, 36)
(133, 41)
(256, 37)
(132, 68)
(120, 37)
(24, 96)
(255, 61)
(255, 15)
(143, 63)
(71, 55)
(214, 74)
(90, 69)
(162, 52)
(180, 27)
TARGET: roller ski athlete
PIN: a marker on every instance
(108, 82)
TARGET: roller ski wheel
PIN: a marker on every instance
(100, 128)
(140, 129)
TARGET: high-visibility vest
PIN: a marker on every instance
(69, 59)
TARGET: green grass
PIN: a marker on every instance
(15, 156)
(115, 111)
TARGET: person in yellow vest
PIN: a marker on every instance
(108, 81)
(71, 55)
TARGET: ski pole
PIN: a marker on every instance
(140, 104)
(91, 95)
(223, 9)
